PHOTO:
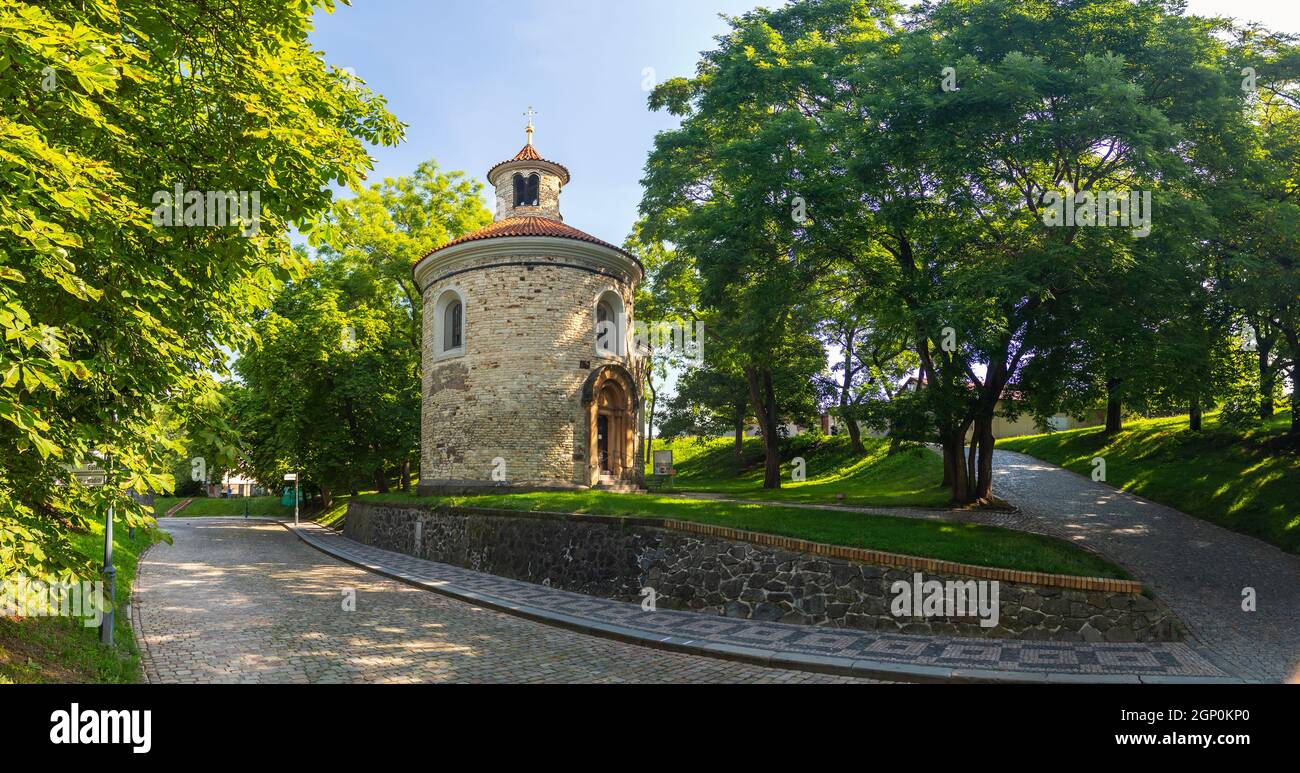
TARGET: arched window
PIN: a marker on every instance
(527, 191)
(611, 326)
(521, 190)
(449, 321)
(453, 326)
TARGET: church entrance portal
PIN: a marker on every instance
(613, 419)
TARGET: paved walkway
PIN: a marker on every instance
(868, 653)
(233, 601)
(1199, 569)
(247, 601)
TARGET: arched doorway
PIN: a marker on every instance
(610, 399)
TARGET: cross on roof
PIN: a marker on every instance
(529, 115)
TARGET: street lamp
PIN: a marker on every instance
(110, 572)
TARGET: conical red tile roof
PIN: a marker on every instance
(531, 226)
(529, 153)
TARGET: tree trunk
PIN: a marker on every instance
(381, 480)
(1267, 378)
(1197, 415)
(740, 440)
(855, 435)
(650, 422)
(763, 398)
(1295, 408)
(955, 465)
(1114, 408)
(949, 464)
(1292, 335)
(972, 456)
(984, 478)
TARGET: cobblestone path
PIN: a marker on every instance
(235, 601)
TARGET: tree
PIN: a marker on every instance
(727, 189)
(108, 311)
(384, 230)
(329, 388)
(1071, 100)
(1260, 217)
(667, 296)
(875, 356)
(709, 402)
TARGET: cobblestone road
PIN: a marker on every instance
(248, 602)
(1199, 569)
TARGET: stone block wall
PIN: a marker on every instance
(616, 558)
(515, 394)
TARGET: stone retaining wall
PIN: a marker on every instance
(617, 558)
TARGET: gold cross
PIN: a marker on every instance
(529, 115)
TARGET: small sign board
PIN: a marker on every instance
(291, 477)
(90, 474)
(663, 462)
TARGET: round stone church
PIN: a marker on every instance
(529, 383)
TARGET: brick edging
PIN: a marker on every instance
(842, 552)
(179, 507)
(901, 561)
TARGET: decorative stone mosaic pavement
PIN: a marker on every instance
(865, 653)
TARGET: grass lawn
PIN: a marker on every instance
(967, 543)
(338, 509)
(62, 650)
(1222, 476)
(205, 507)
(911, 478)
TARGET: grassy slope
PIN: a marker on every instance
(909, 478)
(1218, 475)
(215, 508)
(61, 650)
(966, 543)
(338, 509)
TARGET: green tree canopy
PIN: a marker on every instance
(105, 106)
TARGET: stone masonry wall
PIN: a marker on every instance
(549, 189)
(515, 394)
(616, 558)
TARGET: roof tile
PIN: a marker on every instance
(531, 226)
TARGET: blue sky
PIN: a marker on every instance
(461, 73)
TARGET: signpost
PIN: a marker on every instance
(663, 462)
(663, 466)
(92, 475)
(293, 476)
